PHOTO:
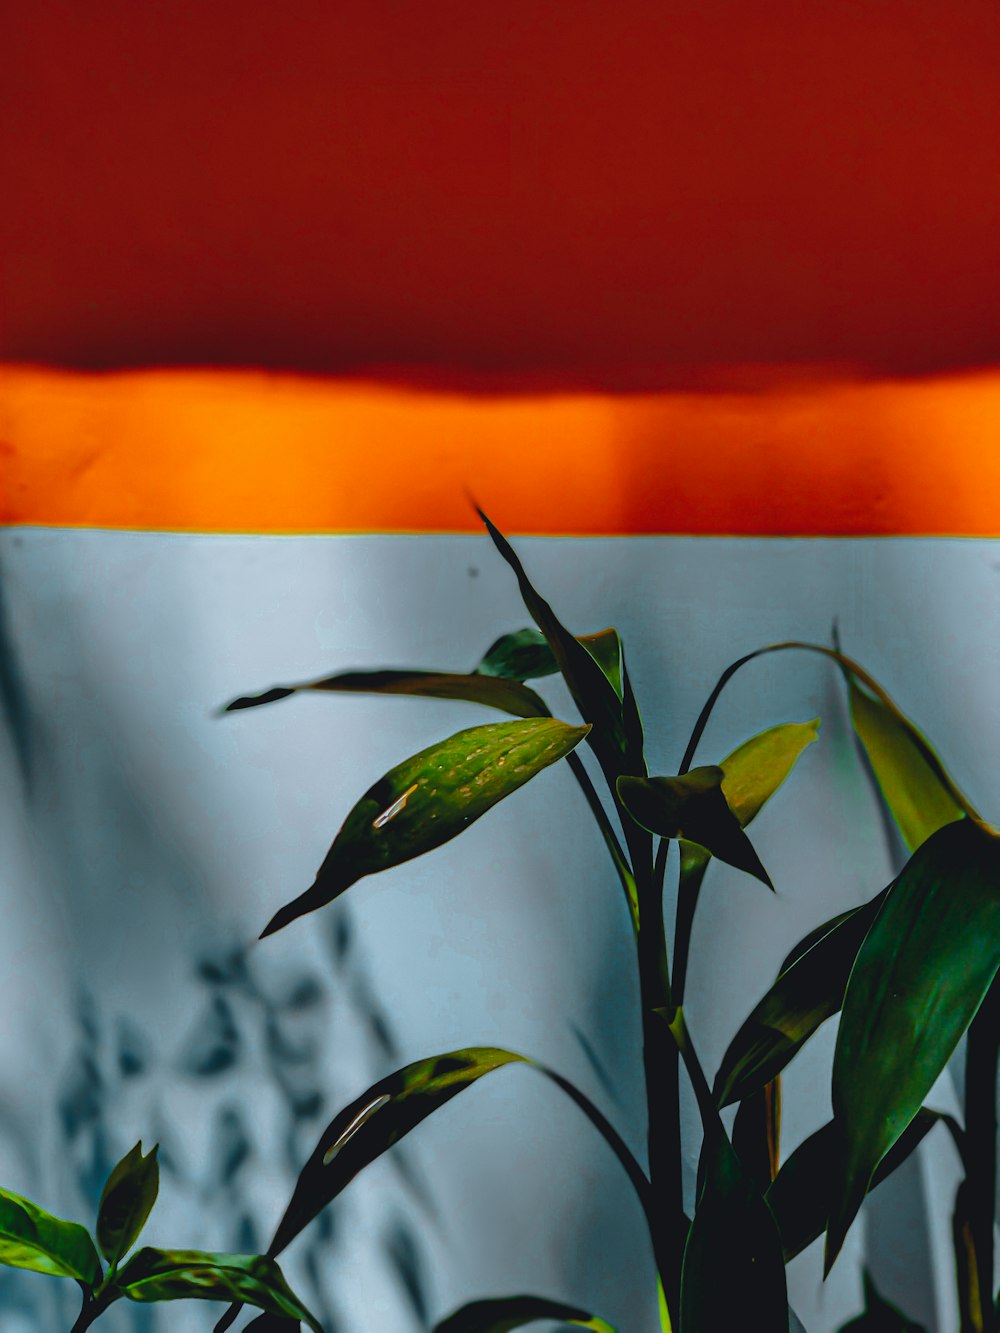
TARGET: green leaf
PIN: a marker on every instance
(694, 808)
(379, 1118)
(879, 1315)
(126, 1202)
(919, 978)
(757, 1133)
(596, 695)
(175, 1275)
(509, 1312)
(429, 799)
(751, 775)
(32, 1238)
(522, 655)
(809, 989)
(912, 779)
(732, 1259)
(802, 1193)
(494, 691)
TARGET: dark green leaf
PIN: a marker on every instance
(522, 655)
(32, 1238)
(968, 1262)
(430, 798)
(175, 1275)
(912, 778)
(919, 978)
(751, 775)
(377, 1120)
(809, 991)
(803, 1190)
(126, 1202)
(595, 695)
(694, 808)
(732, 1259)
(510, 1312)
(879, 1316)
(273, 1323)
(509, 696)
(757, 1134)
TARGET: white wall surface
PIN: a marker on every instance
(145, 836)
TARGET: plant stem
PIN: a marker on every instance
(662, 1070)
(981, 1143)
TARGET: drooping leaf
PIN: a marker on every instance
(809, 990)
(879, 1315)
(374, 1122)
(175, 1275)
(802, 1192)
(273, 1323)
(509, 1312)
(694, 808)
(126, 1202)
(968, 1261)
(494, 691)
(32, 1238)
(751, 775)
(429, 799)
(732, 1260)
(521, 655)
(919, 978)
(594, 693)
(916, 790)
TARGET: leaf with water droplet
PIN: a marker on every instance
(918, 980)
(430, 798)
(506, 1313)
(126, 1202)
(175, 1275)
(32, 1238)
(494, 691)
(692, 806)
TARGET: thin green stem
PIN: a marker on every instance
(597, 809)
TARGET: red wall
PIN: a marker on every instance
(576, 191)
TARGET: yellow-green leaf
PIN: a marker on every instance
(430, 798)
(126, 1202)
(32, 1238)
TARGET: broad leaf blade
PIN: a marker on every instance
(919, 978)
(377, 1120)
(880, 1316)
(174, 1275)
(510, 1312)
(429, 799)
(126, 1202)
(694, 808)
(915, 791)
(593, 692)
(521, 655)
(801, 1194)
(806, 993)
(494, 691)
(32, 1238)
(732, 1259)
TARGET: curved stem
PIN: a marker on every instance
(608, 833)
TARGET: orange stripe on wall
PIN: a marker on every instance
(249, 452)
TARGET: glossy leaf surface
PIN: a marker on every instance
(802, 1193)
(594, 694)
(694, 808)
(32, 1238)
(511, 1312)
(126, 1202)
(806, 993)
(374, 1122)
(880, 1315)
(915, 788)
(919, 978)
(732, 1260)
(174, 1275)
(522, 655)
(430, 798)
(494, 691)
